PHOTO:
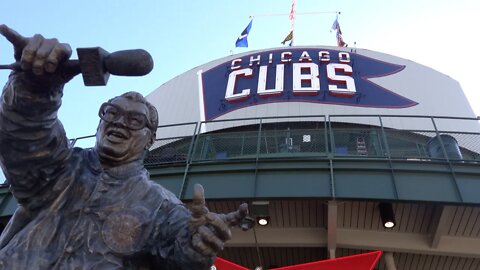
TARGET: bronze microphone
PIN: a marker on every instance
(96, 64)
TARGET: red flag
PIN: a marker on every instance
(366, 261)
(340, 42)
(292, 11)
(221, 264)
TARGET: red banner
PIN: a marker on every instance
(364, 261)
(221, 264)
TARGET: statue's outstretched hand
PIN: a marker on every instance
(37, 54)
(210, 230)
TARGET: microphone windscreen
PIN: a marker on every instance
(129, 63)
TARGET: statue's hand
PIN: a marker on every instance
(210, 230)
(37, 54)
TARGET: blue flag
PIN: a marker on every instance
(242, 39)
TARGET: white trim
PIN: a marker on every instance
(201, 102)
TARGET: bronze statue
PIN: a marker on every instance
(91, 208)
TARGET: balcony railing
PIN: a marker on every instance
(422, 138)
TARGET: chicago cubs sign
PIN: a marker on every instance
(299, 75)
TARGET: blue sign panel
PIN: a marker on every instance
(299, 75)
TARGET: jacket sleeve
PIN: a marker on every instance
(172, 245)
(33, 144)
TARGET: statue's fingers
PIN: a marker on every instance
(217, 223)
(59, 53)
(234, 218)
(199, 244)
(15, 38)
(210, 239)
(44, 51)
(198, 208)
(30, 51)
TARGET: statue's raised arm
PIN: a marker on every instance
(92, 208)
(33, 145)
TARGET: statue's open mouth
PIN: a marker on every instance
(117, 134)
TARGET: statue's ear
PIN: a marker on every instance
(151, 141)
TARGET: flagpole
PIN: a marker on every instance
(242, 40)
(292, 17)
(293, 30)
(296, 13)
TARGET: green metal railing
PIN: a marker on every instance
(335, 136)
(344, 156)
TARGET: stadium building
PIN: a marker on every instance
(331, 147)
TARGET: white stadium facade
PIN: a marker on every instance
(323, 143)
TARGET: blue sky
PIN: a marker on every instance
(183, 34)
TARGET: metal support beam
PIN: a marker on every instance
(388, 241)
(332, 228)
(441, 224)
(389, 261)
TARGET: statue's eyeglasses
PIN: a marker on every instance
(133, 120)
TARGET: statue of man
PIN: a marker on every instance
(91, 208)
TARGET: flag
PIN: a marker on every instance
(288, 37)
(336, 27)
(340, 42)
(222, 264)
(292, 12)
(365, 261)
(242, 39)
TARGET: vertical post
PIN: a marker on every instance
(387, 148)
(191, 151)
(192, 144)
(332, 140)
(243, 144)
(325, 134)
(444, 151)
(259, 140)
(389, 261)
(450, 166)
(330, 157)
(385, 141)
(332, 228)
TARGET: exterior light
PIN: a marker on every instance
(389, 224)
(387, 215)
(260, 212)
(263, 221)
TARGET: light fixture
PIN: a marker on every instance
(260, 212)
(263, 221)
(387, 215)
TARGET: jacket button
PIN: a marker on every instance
(69, 249)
